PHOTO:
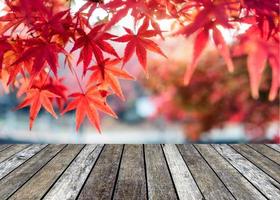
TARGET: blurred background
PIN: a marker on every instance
(216, 107)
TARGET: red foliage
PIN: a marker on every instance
(34, 34)
(212, 100)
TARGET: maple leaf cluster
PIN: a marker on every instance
(35, 35)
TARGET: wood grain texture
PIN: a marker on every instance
(268, 166)
(183, 180)
(160, 185)
(274, 146)
(13, 181)
(72, 180)
(4, 146)
(240, 187)
(208, 182)
(267, 151)
(265, 184)
(39, 184)
(131, 182)
(100, 183)
(16, 160)
(139, 172)
(8, 152)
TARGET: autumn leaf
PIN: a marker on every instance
(41, 52)
(90, 45)
(209, 16)
(139, 43)
(86, 105)
(107, 74)
(199, 44)
(260, 52)
(222, 48)
(36, 98)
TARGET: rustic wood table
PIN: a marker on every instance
(139, 172)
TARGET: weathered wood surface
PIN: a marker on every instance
(274, 146)
(23, 173)
(268, 152)
(268, 186)
(131, 182)
(39, 184)
(9, 151)
(208, 182)
(17, 159)
(72, 180)
(262, 162)
(103, 175)
(239, 186)
(88, 172)
(183, 180)
(159, 180)
(4, 146)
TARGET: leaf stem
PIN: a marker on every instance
(78, 81)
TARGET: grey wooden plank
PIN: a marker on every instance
(159, 181)
(265, 184)
(131, 182)
(6, 153)
(208, 182)
(19, 176)
(103, 175)
(183, 180)
(72, 180)
(276, 147)
(268, 152)
(39, 184)
(4, 146)
(16, 160)
(268, 166)
(240, 187)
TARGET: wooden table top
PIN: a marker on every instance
(97, 171)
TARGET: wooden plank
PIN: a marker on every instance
(131, 183)
(72, 180)
(276, 147)
(208, 182)
(268, 166)
(19, 176)
(4, 146)
(183, 180)
(268, 152)
(240, 187)
(16, 160)
(103, 175)
(258, 178)
(39, 184)
(6, 153)
(159, 181)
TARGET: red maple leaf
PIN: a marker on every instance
(86, 104)
(210, 15)
(36, 98)
(106, 73)
(41, 52)
(90, 45)
(23, 12)
(259, 51)
(139, 43)
(201, 41)
(57, 24)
